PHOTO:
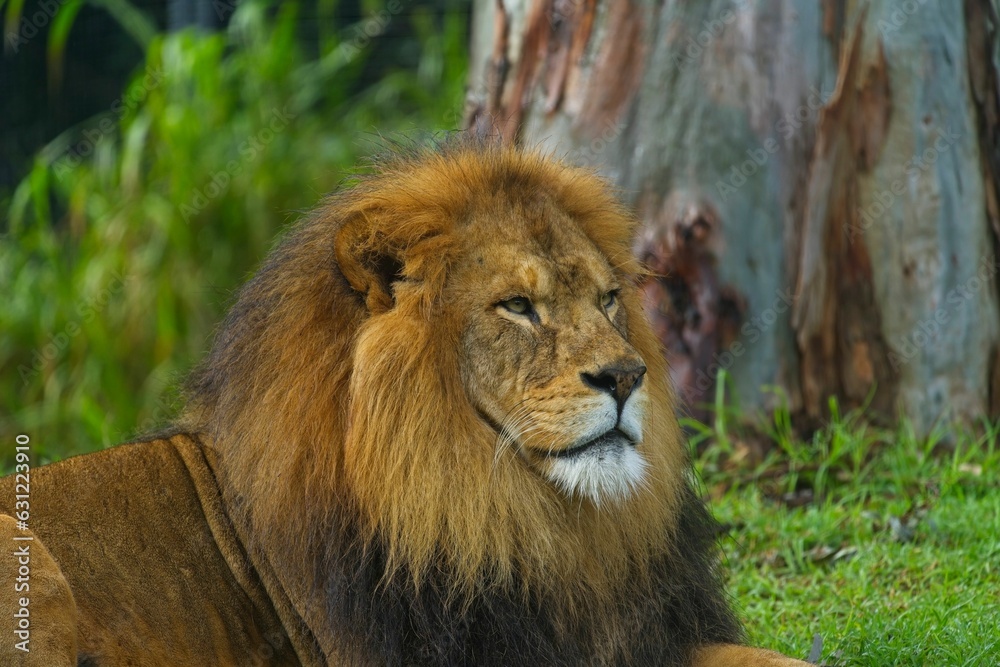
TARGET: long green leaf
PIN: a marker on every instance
(133, 20)
(11, 19)
(62, 23)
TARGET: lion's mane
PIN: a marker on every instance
(347, 446)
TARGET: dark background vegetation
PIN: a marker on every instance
(147, 167)
(52, 83)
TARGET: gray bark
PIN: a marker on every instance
(817, 182)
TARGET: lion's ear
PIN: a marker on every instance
(369, 262)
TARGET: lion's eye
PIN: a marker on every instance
(609, 299)
(519, 305)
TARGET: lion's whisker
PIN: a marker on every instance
(509, 428)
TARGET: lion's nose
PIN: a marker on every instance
(618, 381)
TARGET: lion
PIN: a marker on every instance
(434, 429)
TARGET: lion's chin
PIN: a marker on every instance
(606, 469)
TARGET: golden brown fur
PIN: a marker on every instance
(422, 479)
(157, 574)
(36, 578)
(388, 430)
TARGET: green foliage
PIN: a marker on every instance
(125, 242)
(891, 559)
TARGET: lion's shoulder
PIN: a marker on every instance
(140, 533)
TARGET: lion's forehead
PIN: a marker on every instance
(542, 255)
(512, 230)
(514, 272)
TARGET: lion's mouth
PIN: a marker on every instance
(613, 439)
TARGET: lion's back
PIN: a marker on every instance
(133, 530)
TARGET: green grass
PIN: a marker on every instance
(884, 544)
(931, 600)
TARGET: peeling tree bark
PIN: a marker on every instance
(817, 183)
(836, 318)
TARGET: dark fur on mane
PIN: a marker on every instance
(390, 623)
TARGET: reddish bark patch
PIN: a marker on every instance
(534, 54)
(618, 69)
(572, 23)
(985, 84)
(554, 40)
(693, 315)
(833, 18)
(482, 117)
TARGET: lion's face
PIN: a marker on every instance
(452, 359)
(545, 355)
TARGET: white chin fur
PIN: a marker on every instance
(603, 474)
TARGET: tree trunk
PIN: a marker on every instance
(817, 183)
